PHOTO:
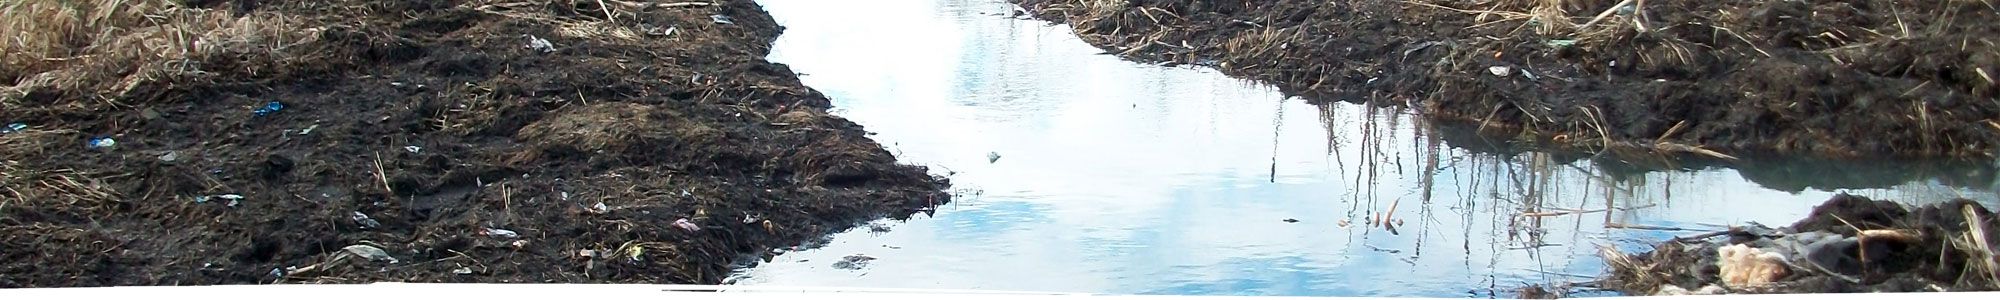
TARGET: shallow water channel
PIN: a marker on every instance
(1126, 178)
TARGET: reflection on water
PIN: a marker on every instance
(1118, 177)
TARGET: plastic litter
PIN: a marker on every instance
(269, 108)
(539, 44)
(1501, 71)
(365, 221)
(502, 233)
(170, 156)
(371, 253)
(413, 149)
(1560, 43)
(992, 157)
(101, 143)
(721, 19)
(684, 224)
(462, 271)
(13, 127)
(233, 198)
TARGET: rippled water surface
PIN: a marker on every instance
(1126, 178)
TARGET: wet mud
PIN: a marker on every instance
(1841, 79)
(427, 141)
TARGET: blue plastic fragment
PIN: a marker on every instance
(101, 142)
(269, 108)
(12, 128)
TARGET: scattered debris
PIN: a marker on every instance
(500, 233)
(598, 208)
(747, 219)
(230, 197)
(1501, 71)
(13, 127)
(364, 220)
(413, 149)
(101, 143)
(878, 228)
(1847, 244)
(992, 157)
(370, 253)
(684, 224)
(721, 19)
(268, 109)
(1343, 223)
(586, 253)
(1743, 266)
(170, 156)
(853, 262)
(462, 271)
(309, 129)
(1673, 290)
(518, 244)
(1290, 220)
(539, 44)
(1560, 43)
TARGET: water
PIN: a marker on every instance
(1123, 178)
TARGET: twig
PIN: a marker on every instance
(1616, 225)
(1607, 13)
(1977, 227)
(1670, 132)
(383, 176)
(1698, 237)
(1669, 146)
(607, 11)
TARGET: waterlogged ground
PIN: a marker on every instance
(1125, 178)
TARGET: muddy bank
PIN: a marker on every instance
(1855, 78)
(1848, 244)
(428, 141)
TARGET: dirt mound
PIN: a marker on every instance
(236, 142)
(1836, 78)
(1849, 244)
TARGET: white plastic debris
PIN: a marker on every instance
(1529, 75)
(599, 208)
(1501, 71)
(684, 224)
(364, 220)
(502, 233)
(721, 19)
(170, 156)
(992, 157)
(519, 243)
(309, 129)
(462, 271)
(413, 149)
(370, 253)
(539, 44)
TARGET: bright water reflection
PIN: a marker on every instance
(1118, 177)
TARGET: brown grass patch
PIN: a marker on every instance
(108, 48)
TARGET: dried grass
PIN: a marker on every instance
(110, 47)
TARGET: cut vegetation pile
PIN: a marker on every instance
(238, 142)
(1848, 244)
(1847, 78)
